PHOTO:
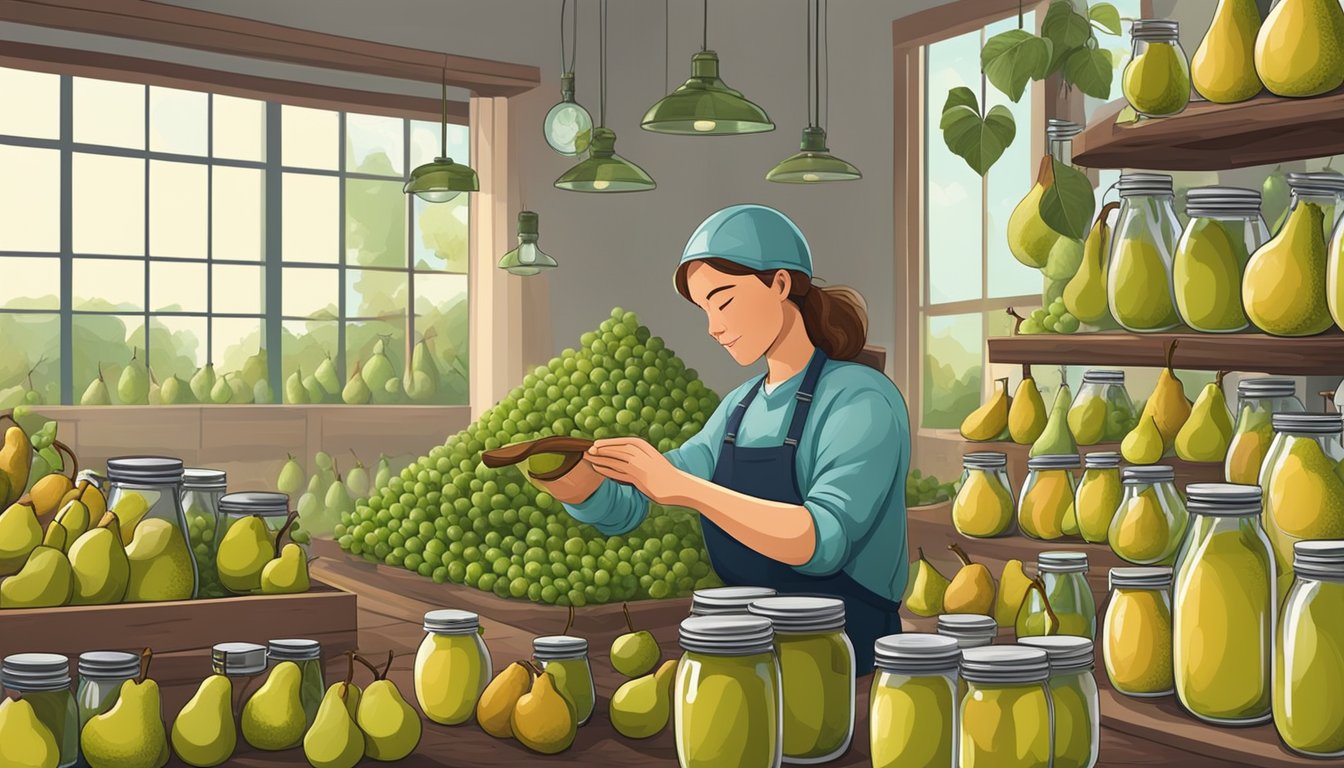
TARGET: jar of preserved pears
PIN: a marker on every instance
(816, 666)
(452, 666)
(145, 493)
(1156, 81)
(1298, 306)
(43, 680)
(1102, 410)
(1150, 524)
(1007, 718)
(1326, 184)
(970, 630)
(721, 601)
(201, 492)
(728, 693)
(244, 664)
(1309, 660)
(1045, 507)
(565, 658)
(984, 504)
(272, 508)
(1224, 608)
(1139, 284)
(1224, 228)
(1303, 484)
(308, 655)
(1061, 602)
(1258, 400)
(1098, 496)
(1074, 700)
(913, 707)
(101, 674)
(1136, 636)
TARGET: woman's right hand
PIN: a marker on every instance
(575, 486)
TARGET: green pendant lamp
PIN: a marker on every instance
(704, 105)
(604, 170)
(527, 259)
(814, 163)
(443, 179)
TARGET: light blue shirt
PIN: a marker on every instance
(851, 466)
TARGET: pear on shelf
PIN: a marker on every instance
(1207, 434)
(45, 580)
(494, 710)
(391, 727)
(542, 719)
(20, 534)
(635, 653)
(131, 733)
(334, 740)
(243, 553)
(1026, 413)
(927, 588)
(1167, 406)
(990, 420)
(1143, 445)
(1223, 67)
(273, 718)
(1056, 439)
(287, 573)
(640, 708)
(972, 589)
(98, 562)
(204, 734)
(1013, 585)
(1085, 295)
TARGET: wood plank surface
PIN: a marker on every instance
(1321, 355)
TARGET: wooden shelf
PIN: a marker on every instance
(1321, 355)
(1208, 137)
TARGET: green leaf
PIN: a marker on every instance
(980, 141)
(1105, 17)
(1068, 204)
(1066, 29)
(1014, 58)
(52, 458)
(1090, 69)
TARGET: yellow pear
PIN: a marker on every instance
(1026, 413)
(204, 734)
(47, 492)
(74, 517)
(983, 507)
(989, 420)
(161, 567)
(391, 728)
(543, 720)
(1167, 406)
(1143, 445)
(1300, 48)
(640, 708)
(44, 581)
(1284, 287)
(243, 553)
(1085, 295)
(1013, 584)
(1223, 67)
(16, 461)
(98, 562)
(972, 589)
(927, 588)
(273, 718)
(1141, 531)
(20, 534)
(1098, 497)
(24, 741)
(286, 574)
(494, 710)
(1208, 432)
(131, 508)
(1087, 419)
(131, 733)
(1029, 237)
(335, 740)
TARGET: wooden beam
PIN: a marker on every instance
(155, 22)
(1321, 355)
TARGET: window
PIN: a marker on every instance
(185, 228)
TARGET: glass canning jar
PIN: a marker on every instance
(728, 694)
(145, 493)
(452, 666)
(1325, 184)
(1074, 699)
(1139, 284)
(1224, 228)
(201, 492)
(1258, 400)
(1136, 637)
(244, 664)
(1156, 81)
(1098, 496)
(272, 508)
(566, 659)
(1302, 480)
(101, 674)
(970, 630)
(308, 655)
(1224, 608)
(816, 667)
(1045, 506)
(1006, 718)
(1102, 410)
(913, 704)
(1150, 523)
(1300, 306)
(1309, 660)
(984, 504)
(1071, 608)
(720, 601)
(43, 680)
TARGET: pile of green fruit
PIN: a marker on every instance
(326, 495)
(449, 518)
(1052, 319)
(922, 490)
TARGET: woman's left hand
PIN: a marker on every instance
(635, 462)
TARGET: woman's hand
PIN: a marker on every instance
(633, 461)
(575, 486)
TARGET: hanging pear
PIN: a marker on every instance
(1029, 237)
(133, 384)
(1085, 294)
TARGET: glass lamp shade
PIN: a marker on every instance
(705, 106)
(568, 127)
(441, 181)
(527, 259)
(813, 164)
(604, 170)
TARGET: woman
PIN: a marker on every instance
(799, 475)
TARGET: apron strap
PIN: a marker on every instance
(735, 418)
(804, 404)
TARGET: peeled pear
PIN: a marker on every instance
(1085, 294)
(634, 653)
(1143, 445)
(335, 740)
(989, 420)
(1284, 288)
(44, 581)
(542, 720)
(20, 534)
(24, 741)
(1026, 412)
(131, 733)
(243, 553)
(927, 588)
(98, 563)
(640, 708)
(1223, 67)
(1029, 237)
(1013, 584)
(972, 589)
(273, 718)
(204, 734)
(494, 709)
(1056, 439)
(1207, 434)
(391, 728)
(1299, 50)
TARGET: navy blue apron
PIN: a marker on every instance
(771, 473)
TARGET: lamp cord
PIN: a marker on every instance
(602, 24)
(826, 57)
(667, 21)
(443, 124)
(816, 60)
(810, 70)
(704, 29)
(564, 67)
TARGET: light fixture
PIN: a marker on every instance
(527, 259)
(568, 127)
(443, 179)
(814, 163)
(604, 170)
(704, 105)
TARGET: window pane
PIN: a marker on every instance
(1007, 183)
(441, 234)
(375, 294)
(177, 209)
(309, 138)
(1119, 48)
(438, 292)
(375, 223)
(374, 144)
(360, 339)
(305, 346)
(104, 344)
(426, 142)
(952, 366)
(109, 285)
(30, 199)
(177, 287)
(310, 292)
(109, 113)
(442, 319)
(310, 218)
(177, 347)
(177, 121)
(32, 343)
(952, 197)
(30, 283)
(239, 128)
(238, 290)
(237, 205)
(233, 341)
(40, 95)
(109, 205)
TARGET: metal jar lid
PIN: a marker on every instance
(984, 460)
(970, 630)
(915, 653)
(1140, 578)
(108, 665)
(1102, 460)
(1156, 30)
(801, 613)
(264, 503)
(1145, 184)
(1223, 499)
(1061, 130)
(1005, 664)
(727, 635)
(449, 621)
(35, 672)
(1064, 652)
(1316, 184)
(1061, 562)
(1100, 376)
(725, 600)
(293, 650)
(1308, 423)
(1322, 559)
(1055, 461)
(1147, 475)
(559, 647)
(238, 659)
(144, 470)
(1267, 387)
(196, 479)
(1225, 201)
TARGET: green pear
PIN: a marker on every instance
(273, 717)
(74, 517)
(378, 370)
(203, 382)
(221, 393)
(316, 487)
(391, 728)
(1056, 439)
(634, 654)
(99, 565)
(356, 392)
(24, 741)
(290, 481)
(335, 741)
(323, 461)
(392, 392)
(1206, 435)
(20, 534)
(96, 393)
(1143, 444)
(130, 734)
(325, 375)
(161, 567)
(337, 499)
(384, 474)
(286, 574)
(927, 588)
(262, 393)
(316, 394)
(254, 368)
(295, 394)
(640, 708)
(175, 391)
(44, 582)
(243, 552)
(133, 384)
(357, 480)
(241, 392)
(204, 733)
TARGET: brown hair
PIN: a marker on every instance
(836, 317)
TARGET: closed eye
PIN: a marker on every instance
(725, 305)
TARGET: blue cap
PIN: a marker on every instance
(755, 236)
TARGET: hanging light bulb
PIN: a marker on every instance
(442, 180)
(568, 127)
(527, 259)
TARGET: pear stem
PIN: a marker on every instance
(960, 553)
(1004, 380)
(1171, 352)
(284, 529)
(350, 671)
(629, 625)
(74, 461)
(1106, 211)
(534, 667)
(1045, 174)
(365, 662)
(387, 668)
(1219, 380)
(1038, 584)
(1329, 397)
(356, 455)
(1017, 327)
(1026, 371)
(146, 656)
(569, 622)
